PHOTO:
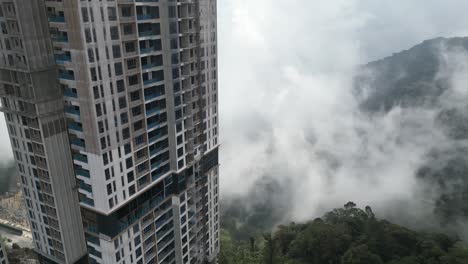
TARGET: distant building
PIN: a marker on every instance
(112, 111)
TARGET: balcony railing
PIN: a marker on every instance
(57, 19)
(66, 76)
(149, 66)
(60, 38)
(151, 81)
(62, 58)
(82, 172)
(85, 186)
(153, 111)
(80, 157)
(75, 126)
(78, 142)
(156, 151)
(148, 33)
(155, 137)
(153, 95)
(146, 16)
(147, 50)
(70, 93)
(72, 110)
(87, 201)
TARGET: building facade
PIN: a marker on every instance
(32, 102)
(134, 87)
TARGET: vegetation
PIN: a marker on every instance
(347, 235)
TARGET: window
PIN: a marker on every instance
(84, 14)
(127, 149)
(122, 102)
(134, 96)
(88, 35)
(131, 190)
(120, 86)
(116, 51)
(112, 14)
(133, 80)
(128, 29)
(90, 55)
(130, 47)
(126, 11)
(93, 74)
(126, 133)
(131, 64)
(118, 68)
(114, 33)
(129, 162)
(124, 119)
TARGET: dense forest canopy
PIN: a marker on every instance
(346, 235)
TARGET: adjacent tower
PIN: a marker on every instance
(139, 86)
(33, 106)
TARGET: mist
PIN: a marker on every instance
(290, 113)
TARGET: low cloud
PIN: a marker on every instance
(289, 109)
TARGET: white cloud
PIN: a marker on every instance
(286, 104)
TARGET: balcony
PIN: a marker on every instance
(156, 165)
(151, 81)
(57, 19)
(156, 176)
(150, 65)
(83, 186)
(147, 50)
(70, 93)
(146, 16)
(72, 110)
(82, 172)
(155, 137)
(60, 38)
(80, 157)
(87, 201)
(155, 151)
(152, 96)
(66, 75)
(148, 33)
(75, 126)
(62, 58)
(153, 111)
(78, 142)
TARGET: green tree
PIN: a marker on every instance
(361, 255)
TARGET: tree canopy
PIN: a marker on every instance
(347, 235)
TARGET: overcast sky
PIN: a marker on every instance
(284, 76)
(267, 45)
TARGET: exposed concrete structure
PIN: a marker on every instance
(139, 83)
(32, 102)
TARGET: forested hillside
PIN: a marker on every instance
(347, 235)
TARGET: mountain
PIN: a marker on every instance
(347, 235)
(411, 78)
(425, 77)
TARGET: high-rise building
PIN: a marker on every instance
(139, 85)
(33, 106)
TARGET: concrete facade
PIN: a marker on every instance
(139, 85)
(32, 102)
